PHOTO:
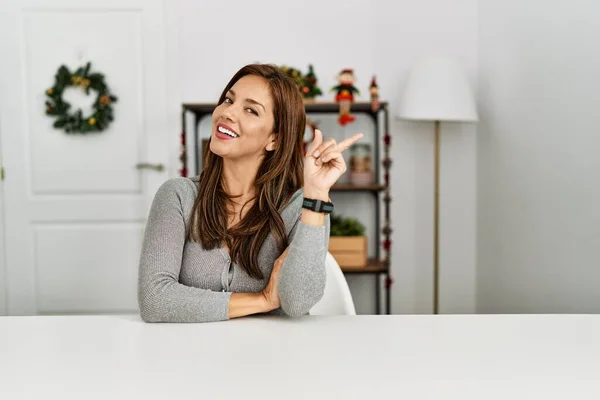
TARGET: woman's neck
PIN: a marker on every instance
(239, 178)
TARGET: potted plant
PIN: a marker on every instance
(347, 242)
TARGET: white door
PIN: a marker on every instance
(75, 205)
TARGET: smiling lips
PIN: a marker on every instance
(225, 133)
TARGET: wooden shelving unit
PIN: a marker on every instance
(377, 266)
(373, 266)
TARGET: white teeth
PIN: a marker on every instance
(227, 132)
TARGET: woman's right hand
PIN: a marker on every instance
(271, 292)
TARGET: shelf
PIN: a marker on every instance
(203, 108)
(358, 188)
(324, 107)
(335, 107)
(373, 267)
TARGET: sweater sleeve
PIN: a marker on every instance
(161, 297)
(302, 280)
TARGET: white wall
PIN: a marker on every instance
(207, 41)
(530, 165)
(408, 30)
(214, 39)
(538, 165)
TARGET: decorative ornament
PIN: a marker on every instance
(389, 281)
(387, 140)
(387, 244)
(293, 73)
(310, 89)
(374, 91)
(387, 162)
(74, 121)
(361, 172)
(387, 230)
(345, 95)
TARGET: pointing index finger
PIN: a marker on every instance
(344, 144)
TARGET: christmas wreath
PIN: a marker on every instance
(75, 121)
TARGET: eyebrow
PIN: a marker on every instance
(251, 101)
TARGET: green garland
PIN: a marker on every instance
(75, 122)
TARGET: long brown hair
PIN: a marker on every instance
(278, 177)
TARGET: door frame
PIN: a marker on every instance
(3, 280)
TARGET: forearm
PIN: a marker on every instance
(178, 303)
(312, 218)
(243, 304)
(302, 280)
(161, 299)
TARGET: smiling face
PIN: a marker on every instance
(242, 125)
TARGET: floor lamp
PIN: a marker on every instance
(437, 90)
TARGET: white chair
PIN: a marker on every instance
(337, 299)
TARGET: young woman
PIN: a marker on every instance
(250, 234)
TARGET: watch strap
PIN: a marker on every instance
(317, 205)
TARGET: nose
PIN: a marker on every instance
(229, 113)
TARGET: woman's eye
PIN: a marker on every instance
(252, 111)
(228, 100)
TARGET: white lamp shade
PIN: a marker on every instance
(437, 90)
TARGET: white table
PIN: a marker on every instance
(367, 357)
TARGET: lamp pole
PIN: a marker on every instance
(436, 222)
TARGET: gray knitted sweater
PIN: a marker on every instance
(179, 281)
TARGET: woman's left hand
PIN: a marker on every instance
(324, 164)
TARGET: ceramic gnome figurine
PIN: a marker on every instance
(345, 91)
(374, 91)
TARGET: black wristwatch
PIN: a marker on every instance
(317, 205)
